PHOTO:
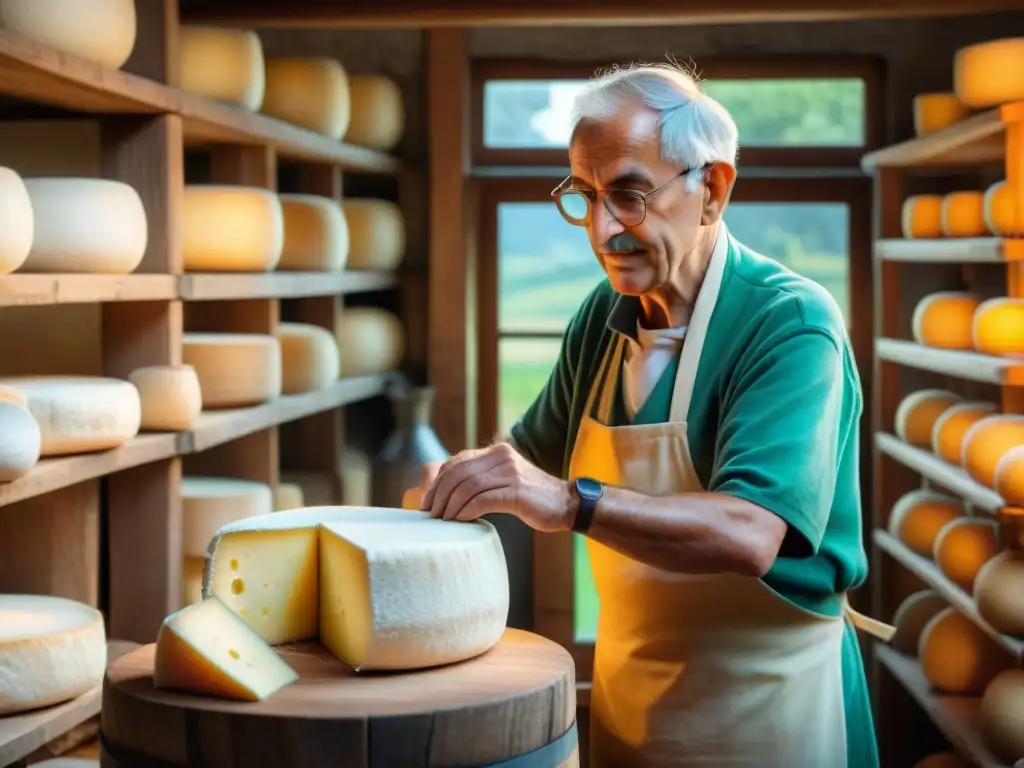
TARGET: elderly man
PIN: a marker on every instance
(701, 430)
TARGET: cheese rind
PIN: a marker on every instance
(170, 395)
(918, 517)
(370, 340)
(222, 64)
(378, 112)
(935, 111)
(16, 221)
(234, 369)
(1001, 211)
(944, 320)
(990, 73)
(210, 503)
(1010, 476)
(309, 92)
(288, 496)
(952, 426)
(921, 217)
(101, 31)
(315, 234)
(957, 657)
(912, 616)
(1002, 716)
(998, 327)
(231, 229)
(963, 546)
(998, 593)
(987, 441)
(20, 441)
(376, 234)
(309, 355)
(917, 413)
(963, 214)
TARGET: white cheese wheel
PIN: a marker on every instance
(944, 320)
(999, 592)
(170, 395)
(990, 73)
(86, 225)
(918, 516)
(80, 414)
(1002, 716)
(378, 113)
(917, 413)
(210, 503)
(952, 426)
(16, 221)
(101, 31)
(963, 546)
(288, 496)
(309, 357)
(921, 217)
(222, 64)
(998, 327)
(987, 441)
(53, 650)
(20, 441)
(235, 369)
(191, 580)
(309, 92)
(315, 234)
(957, 657)
(963, 214)
(232, 229)
(935, 111)
(371, 340)
(912, 616)
(376, 234)
(1010, 477)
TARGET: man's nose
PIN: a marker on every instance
(603, 225)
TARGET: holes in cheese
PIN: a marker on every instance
(378, 113)
(53, 649)
(102, 31)
(85, 225)
(170, 395)
(998, 592)
(998, 327)
(192, 580)
(210, 503)
(944, 320)
(308, 92)
(20, 441)
(921, 216)
(370, 340)
(80, 414)
(957, 657)
(918, 516)
(222, 64)
(1002, 716)
(987, 441)
(990, 73)
(963, 546)
(309, 356)
(935, 111)
(234, 369)
(918, 412)
(1001, 211)
(288, 496)
(1010, 476)
(376, 232)
(16, 221)
(963, 214)
(911, 617)
(231, 229)
(315, 234)
(952, 426)
(206, 649)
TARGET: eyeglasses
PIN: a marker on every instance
(628, 206)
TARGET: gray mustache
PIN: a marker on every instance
(623, 241)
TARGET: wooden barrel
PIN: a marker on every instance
(514, 707)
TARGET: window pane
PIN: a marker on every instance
(524, 366)
(585, 602)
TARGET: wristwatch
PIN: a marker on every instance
(590, 492)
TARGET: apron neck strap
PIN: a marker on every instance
(603, 388)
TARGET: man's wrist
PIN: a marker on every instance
(570, 505)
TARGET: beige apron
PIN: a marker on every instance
(699, 671)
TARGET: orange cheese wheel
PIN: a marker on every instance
(986, 443)
(918, 516)
(957, 657)
(918, 412)
(1001, 211)
(999, 592)
(944, 320)
(998, 327)
(1010, 476)
(944, 760)
(911, 618)
(935, 111)
(1002, 716)
(963, 214)
(921, 217)
(962, 548)
(990, 73)
(952, 426)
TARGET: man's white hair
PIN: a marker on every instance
(695, 129)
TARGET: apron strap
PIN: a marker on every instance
(606, 374)
(877, 629)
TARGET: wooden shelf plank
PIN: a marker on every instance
(963, 365)
(979, 139)
(930, 466)
(971, 250)
(282, 285)
(929, 573)
(19, 290)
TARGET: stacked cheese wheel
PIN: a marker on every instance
(963, 321)
(965, 213)
(100, 31)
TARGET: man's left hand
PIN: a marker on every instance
(497, 479)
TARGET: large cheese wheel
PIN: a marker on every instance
(952, 426)
(309, 357)
(1010, 476)
(222, 64)
(944, 760)
(288, 496)
(921, 217)
(377, 234)
(20, 441)
(9, 394)
(999, 592)
(944, 319)
(1002, 716)
(232, 229)
(957, 657)
(998, 327)
(192, 579)
(171, 396)
(1001, 211)
(309, 92)
(80, 414)
(378, 114)
(990, 73)
(16, 221)
(315, 234)
(935, 111)
(102, 31)
(987, 441)
(371, 340)
(86, 225)
(918, 412)
(53, 650)
(210, 503)
(918, 516)
(235, 369)
(963, 546)
(963, 214)
(911, 618)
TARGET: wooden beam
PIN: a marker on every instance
(479, 13)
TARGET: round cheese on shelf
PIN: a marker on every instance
(309, 92)
(222, 64)
(20, 441)
(80, 414)
(918, 412)
(990, 73)
(288, 496)
(921, 217)
(309, 357)
(957, 657)
(234, 369)
(1010, 476)
(952, 426)
(16, 221)
(999, 592)
(315, 234)
(170, 395)
(101, 31)
(911, 617)
(963, 546)
(371, 340)
(210, 503)
(86, 225)
(1002, 716)
(192, 580)
(11, 395)
(232, 229)
(376, 232)
(1001, 211)
(987, 441)
(378, 113)
(998, 327)
(935, 111)
(944, 760)
(918, 516)
(944, 320)
(53, 649)
(963, 214)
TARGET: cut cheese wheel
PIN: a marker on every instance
(315, 234)
(170, 395)
(210, 503)
(1001, 216)
(943, 760)
(1002, 716)
(921, 217)
(101, 31)
(356, 478)
(935, 111)
(999, 594)
(987, 441)
(376, 233)
(319, 489)
(288, 496)
(309, 356)
(957, 657)
(371, 340)
(1010, 476)
(378, 113)
(944, 320)
(80, 414)
(11, 395)
(998, 327)
(918, 516)
(963, 546)
(16, 221)
(86, 225)
(963, 214)
(206, 649)
(309, 92)
(53, 649)
(952, 426)
(192, 580)
(918, 412)
(232, 229)
(20, 441)
(222, 64)
(990, 73)
(235, 369)
(911, 618)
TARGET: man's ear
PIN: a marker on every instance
(717, 190)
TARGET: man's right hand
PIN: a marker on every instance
(428, 474)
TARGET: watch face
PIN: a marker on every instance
(588, 488)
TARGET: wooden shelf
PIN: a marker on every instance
(963, 365)
(19, 290)
(282, 285)
(970, 250)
